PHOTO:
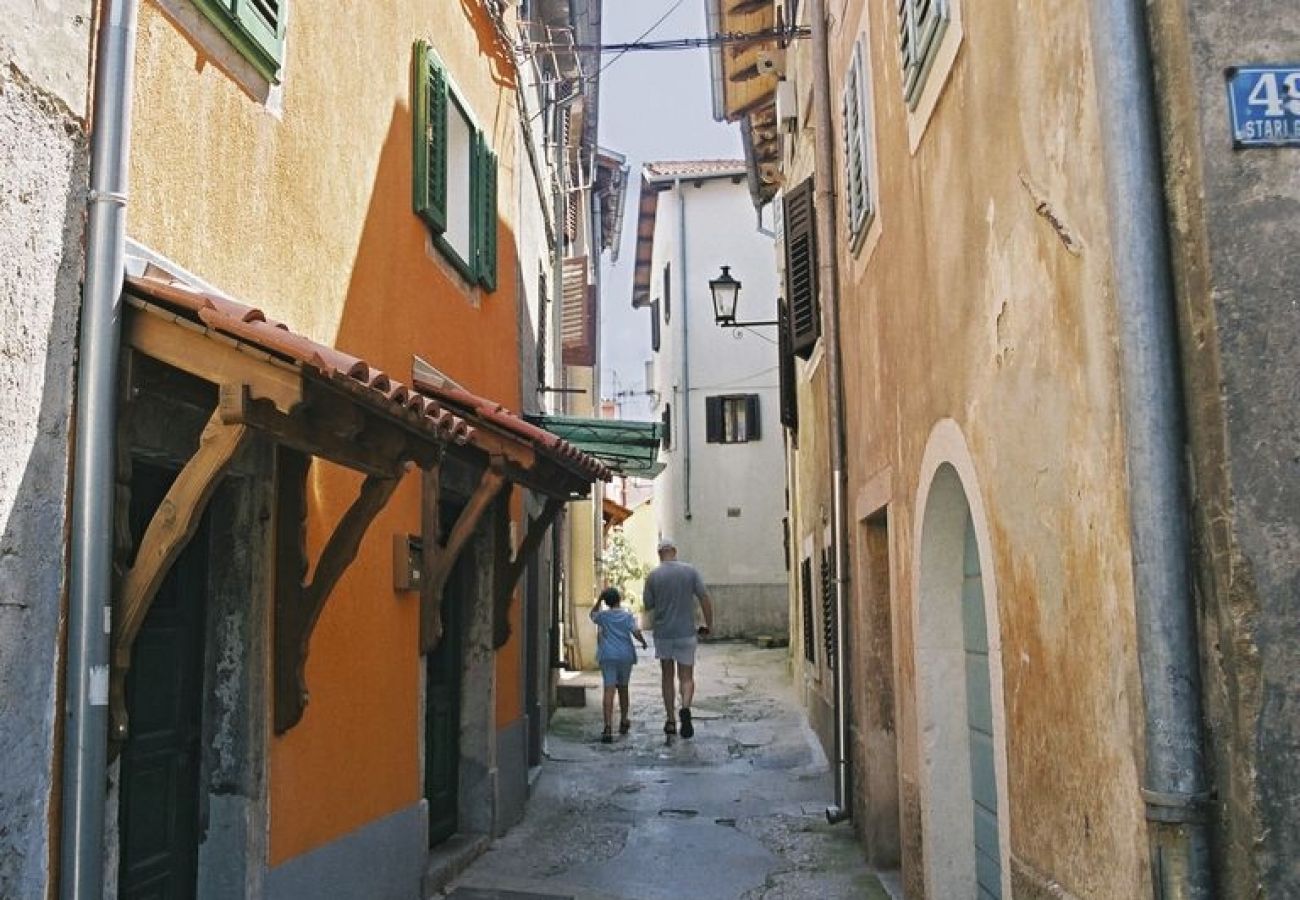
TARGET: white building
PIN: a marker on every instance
(721, 497)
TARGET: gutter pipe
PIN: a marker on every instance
(1175, 782)
(684, 312)
(828, 282)
(85, 747)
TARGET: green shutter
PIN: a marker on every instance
(254, 27)
(713, 429)
(429, 113)
(486, 215)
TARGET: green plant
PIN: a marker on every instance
(622, 566)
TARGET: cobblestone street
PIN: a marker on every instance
(736, 812)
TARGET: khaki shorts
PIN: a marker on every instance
(680, 650)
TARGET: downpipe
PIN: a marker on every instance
(1174, 780)
(85, 743)
(828, 281)
(683, 311)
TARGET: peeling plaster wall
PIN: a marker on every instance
(43, 171)
(1229, 212)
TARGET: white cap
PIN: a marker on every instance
(666, 543)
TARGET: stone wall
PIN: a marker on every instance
(43, 172)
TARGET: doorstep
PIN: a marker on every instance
(449, 859)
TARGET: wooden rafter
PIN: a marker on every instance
(298, 605)
(440, 557)
(505, 590)
(168, 532)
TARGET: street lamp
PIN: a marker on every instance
(725, 291)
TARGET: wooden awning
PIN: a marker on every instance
(316, 400)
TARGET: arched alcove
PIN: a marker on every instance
(960, 718)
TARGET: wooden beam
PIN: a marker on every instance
(371, 447)
(214, 358)
(441, 558)
(298, 606)
(505, 590)
(170, 529)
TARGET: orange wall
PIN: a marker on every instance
(306, 213)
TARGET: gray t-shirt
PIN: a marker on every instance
(670, 596)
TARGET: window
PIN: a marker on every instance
(655, 334)
(455, 184)
(668, 293)
(666, 427)
(731, 419)
(254, 27)
(921, 24)
(806, 590)
(801, 268)
(830, 627)
(855, 116)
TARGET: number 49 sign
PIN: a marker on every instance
(1265, 104)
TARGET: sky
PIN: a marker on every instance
(653, 106)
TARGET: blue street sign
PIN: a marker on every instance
(1265, 105)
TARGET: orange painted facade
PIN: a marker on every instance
(299, 202)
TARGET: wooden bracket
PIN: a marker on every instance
(170, 529)
(298, 605)
(538, 525)
(440, 557)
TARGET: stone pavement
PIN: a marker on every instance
(736, 812)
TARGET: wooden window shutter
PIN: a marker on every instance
(855, 118)
(485, 216)
(752, 425)
(920, 26)
(806, 604)
(263, 21)
(830, 633)
(713, 420)
(801, 268)
(655, 334)
(785, 360)
(666, 423)
(429, 102)
(577, 314)
(668, 292)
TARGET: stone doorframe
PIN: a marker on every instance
(948, 480)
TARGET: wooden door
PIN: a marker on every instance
(158, 812)
(442, 701)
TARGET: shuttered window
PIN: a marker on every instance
(732, 419)
(666, 427)
(855, 117)
(830, 630)
(577, 314)
(254, 27)
(921, 24)
(655, 333)
(789, 391)
(806, 604)
(455, 177)
(801, 268)
(668, 293)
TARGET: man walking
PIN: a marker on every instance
(671, 592)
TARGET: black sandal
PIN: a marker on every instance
(670, 727)
(624, 727)
(607, 736)
(688, 730)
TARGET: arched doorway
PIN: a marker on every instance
(960, 717)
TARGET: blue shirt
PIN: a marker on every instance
(614, 638)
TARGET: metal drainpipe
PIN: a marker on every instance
(828, 281)
(683, 312)
(85, 742)
(1175, 781)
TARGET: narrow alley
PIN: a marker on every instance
(735, 812)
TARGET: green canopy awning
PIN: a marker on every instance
(629, 448)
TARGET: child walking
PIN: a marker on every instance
(616, 656)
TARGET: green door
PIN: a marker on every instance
(979, 720)
(158, 812)
(442, 702)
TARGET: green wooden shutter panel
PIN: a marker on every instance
(806, 591)
(429, 111)
(752, 426)
(254, 27)
(666, 421)
(801, 269)
(921, 25)
(713, 420)
(830, 629)
(487, 255)
(655, 335)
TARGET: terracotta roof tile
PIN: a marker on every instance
(423, 405)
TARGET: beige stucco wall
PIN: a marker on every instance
(983, 296)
